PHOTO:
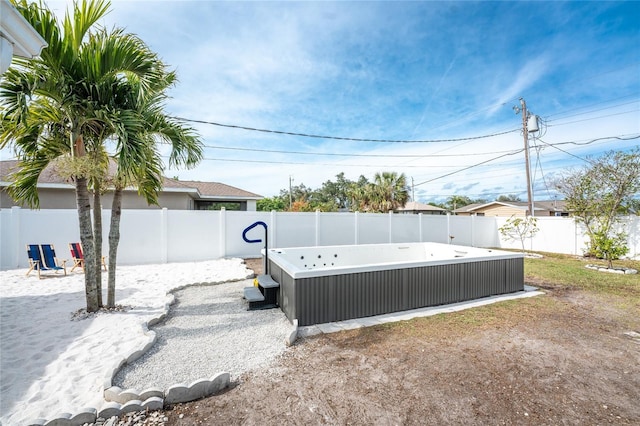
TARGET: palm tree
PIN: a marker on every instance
(138, 160)
(55, 107)
(390, 191)
(457, 201)
(359, 196)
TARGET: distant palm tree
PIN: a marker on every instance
(457, 201)
(390, 191)
(358, 194)
(387, 192)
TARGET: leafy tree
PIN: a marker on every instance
(388, 191)
(610, 247)
(276, 203)
(298, 193)
(597, 194)
(301, 206)
(519, 228)
(358, 193)
(334, 195)
(634, 206)
(508, 198)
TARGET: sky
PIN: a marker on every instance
(436, 81)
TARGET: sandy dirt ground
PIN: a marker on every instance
(565, 358)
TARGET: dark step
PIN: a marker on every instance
(253, 294)
(266, 281)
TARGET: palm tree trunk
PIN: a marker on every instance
(114, 240)
(97, 238)
(86, 238)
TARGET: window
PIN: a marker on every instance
(218, 205)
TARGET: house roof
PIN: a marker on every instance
(217, 189)
(414, 206)
(549, 205)
(199, 190)
(468, 208)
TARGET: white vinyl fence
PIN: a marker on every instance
(161, 236)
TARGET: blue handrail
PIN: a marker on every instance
(266, 239)
(249, 228)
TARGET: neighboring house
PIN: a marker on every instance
(55, 192)
(413, 207)
(514, 208)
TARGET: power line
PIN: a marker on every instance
(521, 150)
(235, 160)
(306, 135)
(539, 165)
(593, 118)
(566, 152)
(590, 141)
(351, 155)
(505, 153)
(470, 167)
(593, 140)
(564, 114)
(334, 154)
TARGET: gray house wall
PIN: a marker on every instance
(65, 198)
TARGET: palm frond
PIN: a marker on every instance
(24, 181)
(86, 14)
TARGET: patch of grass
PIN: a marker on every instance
(505, 314)
(569, 271)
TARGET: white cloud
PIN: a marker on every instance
(526, 78)
(404, 70)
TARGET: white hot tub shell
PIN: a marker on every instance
(333, 283)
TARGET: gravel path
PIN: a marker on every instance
(208, 330)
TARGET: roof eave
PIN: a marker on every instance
(25, 39)
(227, 197)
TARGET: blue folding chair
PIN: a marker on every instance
(43, 258)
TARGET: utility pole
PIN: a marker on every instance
(290, 199)
(413, 191)
(525, 133)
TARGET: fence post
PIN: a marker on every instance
(449, 228)
(355, 223)
(317, 228)
(420, 226)
(473, 230)
(15, 236)
(390, 226)
(222, 233)
(633, 236)
(164, 230)
(575, 237)
(273, 229)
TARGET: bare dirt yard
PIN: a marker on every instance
(565, 358)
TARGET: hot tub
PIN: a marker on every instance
(335, 283)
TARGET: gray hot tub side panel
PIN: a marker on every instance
(287, 293)
(339, 297)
